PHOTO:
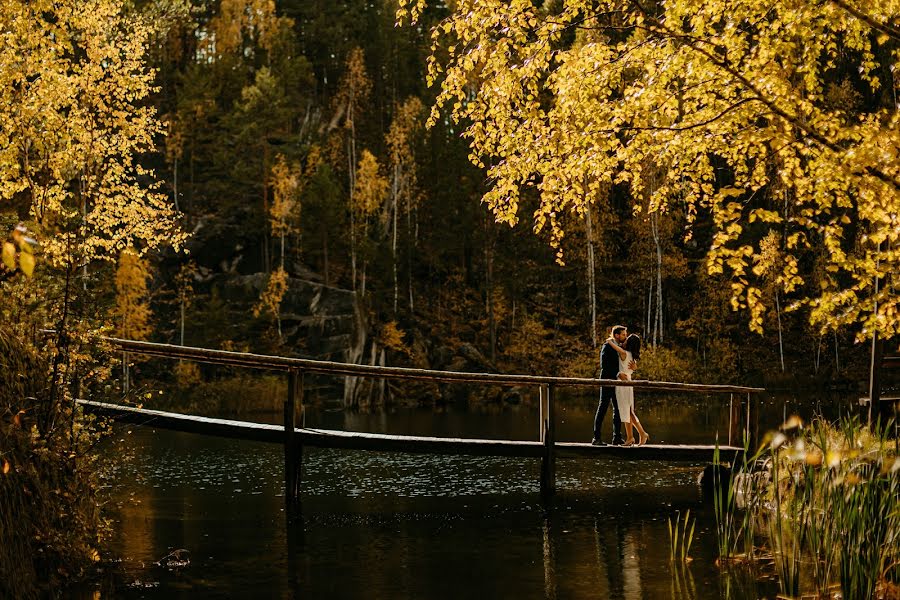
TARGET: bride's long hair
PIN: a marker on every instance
(633, 345)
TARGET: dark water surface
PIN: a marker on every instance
(386, 525)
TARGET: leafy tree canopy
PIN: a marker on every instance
(73, 122)
(757, 115)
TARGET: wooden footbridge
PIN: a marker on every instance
(295, 438)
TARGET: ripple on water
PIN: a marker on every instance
(246, 468)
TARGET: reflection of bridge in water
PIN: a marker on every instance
(294, 438)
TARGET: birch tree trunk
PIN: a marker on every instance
(351, 173)
(659, 292)
(362, 285)
(489, 281)
(837, 358)
(325, 255)
(355, 353)
(592, 290)
(657, 329)
(84, 265)
(395, 193)
(175, 184)
(410, 246)
(818, 354)
(267, 262)
(780, 338)
(191, 173)
(125, 383)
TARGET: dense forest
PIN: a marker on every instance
(472, 186)
(294, 153)
(296, 149)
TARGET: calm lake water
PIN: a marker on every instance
(386, 525)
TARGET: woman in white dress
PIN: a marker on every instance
(625, 395)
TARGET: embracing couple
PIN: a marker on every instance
(618, 360)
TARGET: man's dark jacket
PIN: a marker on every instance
(609, 364)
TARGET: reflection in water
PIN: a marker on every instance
(294, 539)
(610, 541)
(549, 563)
(682, 582)
(394, 525)
(631, 567)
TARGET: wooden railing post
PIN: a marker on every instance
(542, 412)
(751, 426)
(293, 450)
(875, 379)
(730, 416)
(548, 437)
(734, 418)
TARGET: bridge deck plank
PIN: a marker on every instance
(325, 438)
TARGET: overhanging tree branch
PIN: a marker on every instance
(884, 28)
(723, 63)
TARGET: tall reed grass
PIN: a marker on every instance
(734, 486)
(681, 536)
(830, 501)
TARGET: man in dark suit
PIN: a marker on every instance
(609, 369)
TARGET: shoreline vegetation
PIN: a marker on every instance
(820, 506)
(51, 523)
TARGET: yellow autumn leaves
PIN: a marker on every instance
(132, 311)
(239, 20)
(73, 115)
(370, 186)
(287, 183)
(748, 124)
(270, 300)
(18, 252)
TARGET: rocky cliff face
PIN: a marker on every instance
(317, 321)
(329, 323)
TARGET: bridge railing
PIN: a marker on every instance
(284, 363)
(297, 367)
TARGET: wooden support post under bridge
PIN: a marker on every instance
(734, 419)
(743, 422)
(548, 439)
(293, 449)
(752, 422)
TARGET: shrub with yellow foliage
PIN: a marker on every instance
(74, 118)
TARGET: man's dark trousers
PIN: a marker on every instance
(607, 397)
(609, 369)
